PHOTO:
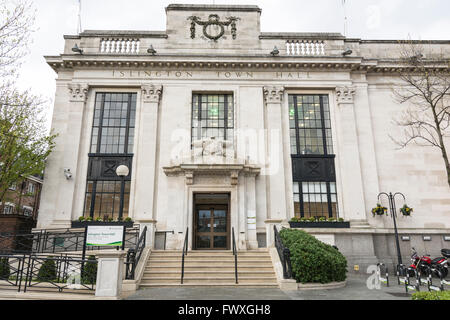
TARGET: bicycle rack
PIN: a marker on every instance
(432, 287)
(408, 285)
(406, 279)
(383, 280)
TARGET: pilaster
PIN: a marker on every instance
(78, 93)
(349, 154)
(146, 152)
(274, 169)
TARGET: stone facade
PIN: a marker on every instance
(220, 49)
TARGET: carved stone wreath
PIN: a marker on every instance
(213, 20)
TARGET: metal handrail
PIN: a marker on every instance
(235, 257)
(284, 254)
(134, 255)
(185, 247)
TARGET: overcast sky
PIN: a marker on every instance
(367, 19)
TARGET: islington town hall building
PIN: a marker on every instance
(227, 130)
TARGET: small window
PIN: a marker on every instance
(27, 212)
(8, 209)
(31, 188)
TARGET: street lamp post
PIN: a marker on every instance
(122, 171)
(393, 209)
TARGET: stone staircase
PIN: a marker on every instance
(210, 269)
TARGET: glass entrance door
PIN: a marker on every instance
(212, 227)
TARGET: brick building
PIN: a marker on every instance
(19, 210)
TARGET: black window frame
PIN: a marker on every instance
(313, 167)
(102, 165)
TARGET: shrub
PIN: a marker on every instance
(441, 295)
(312, 260)
(47, 272)
(4, 269)
(89, 274)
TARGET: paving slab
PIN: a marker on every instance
(356, 289)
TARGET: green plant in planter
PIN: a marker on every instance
(128, 219)
(312, 260)
(406, 211)
(304, 220)
(99, 219)
(295, 219)
(5, 271)
(89, 274)
(331, 220)
(312, 219)
(379, 210)
(119, 219)
(81, 219)
(341, 219)
(47, 271)
(322, 219)
(89, 219)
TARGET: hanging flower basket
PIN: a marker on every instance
(379, 210)
(406, 211)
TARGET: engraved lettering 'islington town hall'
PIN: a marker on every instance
(213, 20)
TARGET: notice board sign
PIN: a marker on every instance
(100, 236)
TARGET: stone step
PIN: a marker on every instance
(216, 279)
(209, 252)
(207, 273)
(208, 285)
(208, 266)
(211, 258)
(208, 262)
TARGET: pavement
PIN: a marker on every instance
(356, 289)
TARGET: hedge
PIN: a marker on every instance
(440, 295)
(47, 272)
(4, 269)
(89, 274)
(312, 260)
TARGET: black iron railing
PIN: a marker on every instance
(185, 249)
(55, 241)
(48, 273)
(284, 254)
(235, 253)
(134, 256)
(11, 270)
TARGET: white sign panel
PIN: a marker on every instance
(104, 236)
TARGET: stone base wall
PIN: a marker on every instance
(367, 247)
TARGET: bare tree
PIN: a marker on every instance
(24, 141)
(17, 19)
(425, 87)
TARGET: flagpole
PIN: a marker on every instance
(345, 18)
(79, 17)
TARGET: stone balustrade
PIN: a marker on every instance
(305, 47)
(120, 46)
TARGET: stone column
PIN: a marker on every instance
(72, 141)
(349, 156)
(146, 163)
(274, 169)
(110, 274)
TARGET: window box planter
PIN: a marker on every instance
(324, 224)
(82, 224)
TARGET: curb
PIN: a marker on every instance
(319, 286)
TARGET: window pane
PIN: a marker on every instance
(114, 115)
(216, 118)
